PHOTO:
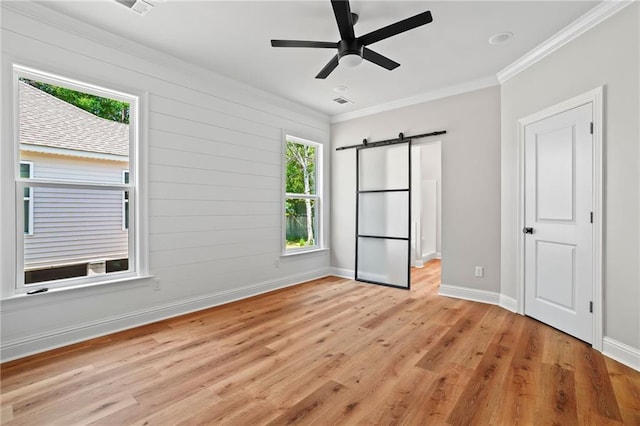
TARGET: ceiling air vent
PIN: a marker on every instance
(138, 6)
(342, 100)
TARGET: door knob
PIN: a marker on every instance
(527, 230)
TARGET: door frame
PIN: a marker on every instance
(594, 97)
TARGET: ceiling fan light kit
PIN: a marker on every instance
(351, 49)
(350, 53)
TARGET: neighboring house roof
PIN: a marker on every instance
(47, 121)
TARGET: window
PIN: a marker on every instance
(26, 172)
(302, 195)
(125, 201)
(84, 139)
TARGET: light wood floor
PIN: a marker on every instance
(332, 351)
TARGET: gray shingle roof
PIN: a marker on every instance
(48, 121)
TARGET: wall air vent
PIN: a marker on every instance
(342, 100)
(140, 7)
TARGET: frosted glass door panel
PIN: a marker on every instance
(384, 168)
(384, 214)
(383, 261)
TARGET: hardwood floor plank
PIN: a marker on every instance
(597, 402)
(451, 342)
(510, 331)
(174, 413)
(331, 351)
(518, 405)
(478, 400)
(6, 413)
(626, 386)
(312, 407)
(28, 391)
(83, 390)
(557, 403)
(367, 389)
(470, 354)
(288, 389)
(560, 349)
(388, 313)
(433, 403)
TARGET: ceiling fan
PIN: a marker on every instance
(351, 49)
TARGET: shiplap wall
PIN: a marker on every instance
(75, 226)
(215, 173)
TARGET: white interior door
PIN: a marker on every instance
(558, 221)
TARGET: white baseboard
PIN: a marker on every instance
(29, 345)
(621, 352)
(342, 273)
(508, 303)
(430, 256)
(472, 294)
(482, 296)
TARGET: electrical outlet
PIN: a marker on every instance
(155, 285)
(479, 271)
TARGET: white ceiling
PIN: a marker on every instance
(233, 38)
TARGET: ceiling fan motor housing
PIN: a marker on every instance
(349, 47)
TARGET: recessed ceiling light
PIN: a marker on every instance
(340, 89)
(500, 38)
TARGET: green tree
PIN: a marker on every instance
(106, 108)
(301, 180)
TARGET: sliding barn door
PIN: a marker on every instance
(383, 215)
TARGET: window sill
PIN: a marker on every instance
(299, 252)
(104, 286)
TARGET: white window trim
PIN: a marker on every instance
(13, 281)
(125, 201)
(21, 225)
(318, 196)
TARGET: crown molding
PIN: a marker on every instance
(584, 23)
(418, 99)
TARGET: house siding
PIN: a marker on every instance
(79, 226)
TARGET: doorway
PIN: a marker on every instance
(426, 201)
(560, 217)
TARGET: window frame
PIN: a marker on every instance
(126, 176)
(30, 198)
(137, 235)
(317, 197)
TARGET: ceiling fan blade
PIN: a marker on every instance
(397, 28)
(344, 19)
(333, 63)
(378, 59)
(303, 43)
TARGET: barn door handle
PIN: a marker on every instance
(527, 230)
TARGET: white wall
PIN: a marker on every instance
(470, 181)
(606, 55)
(215, 167)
